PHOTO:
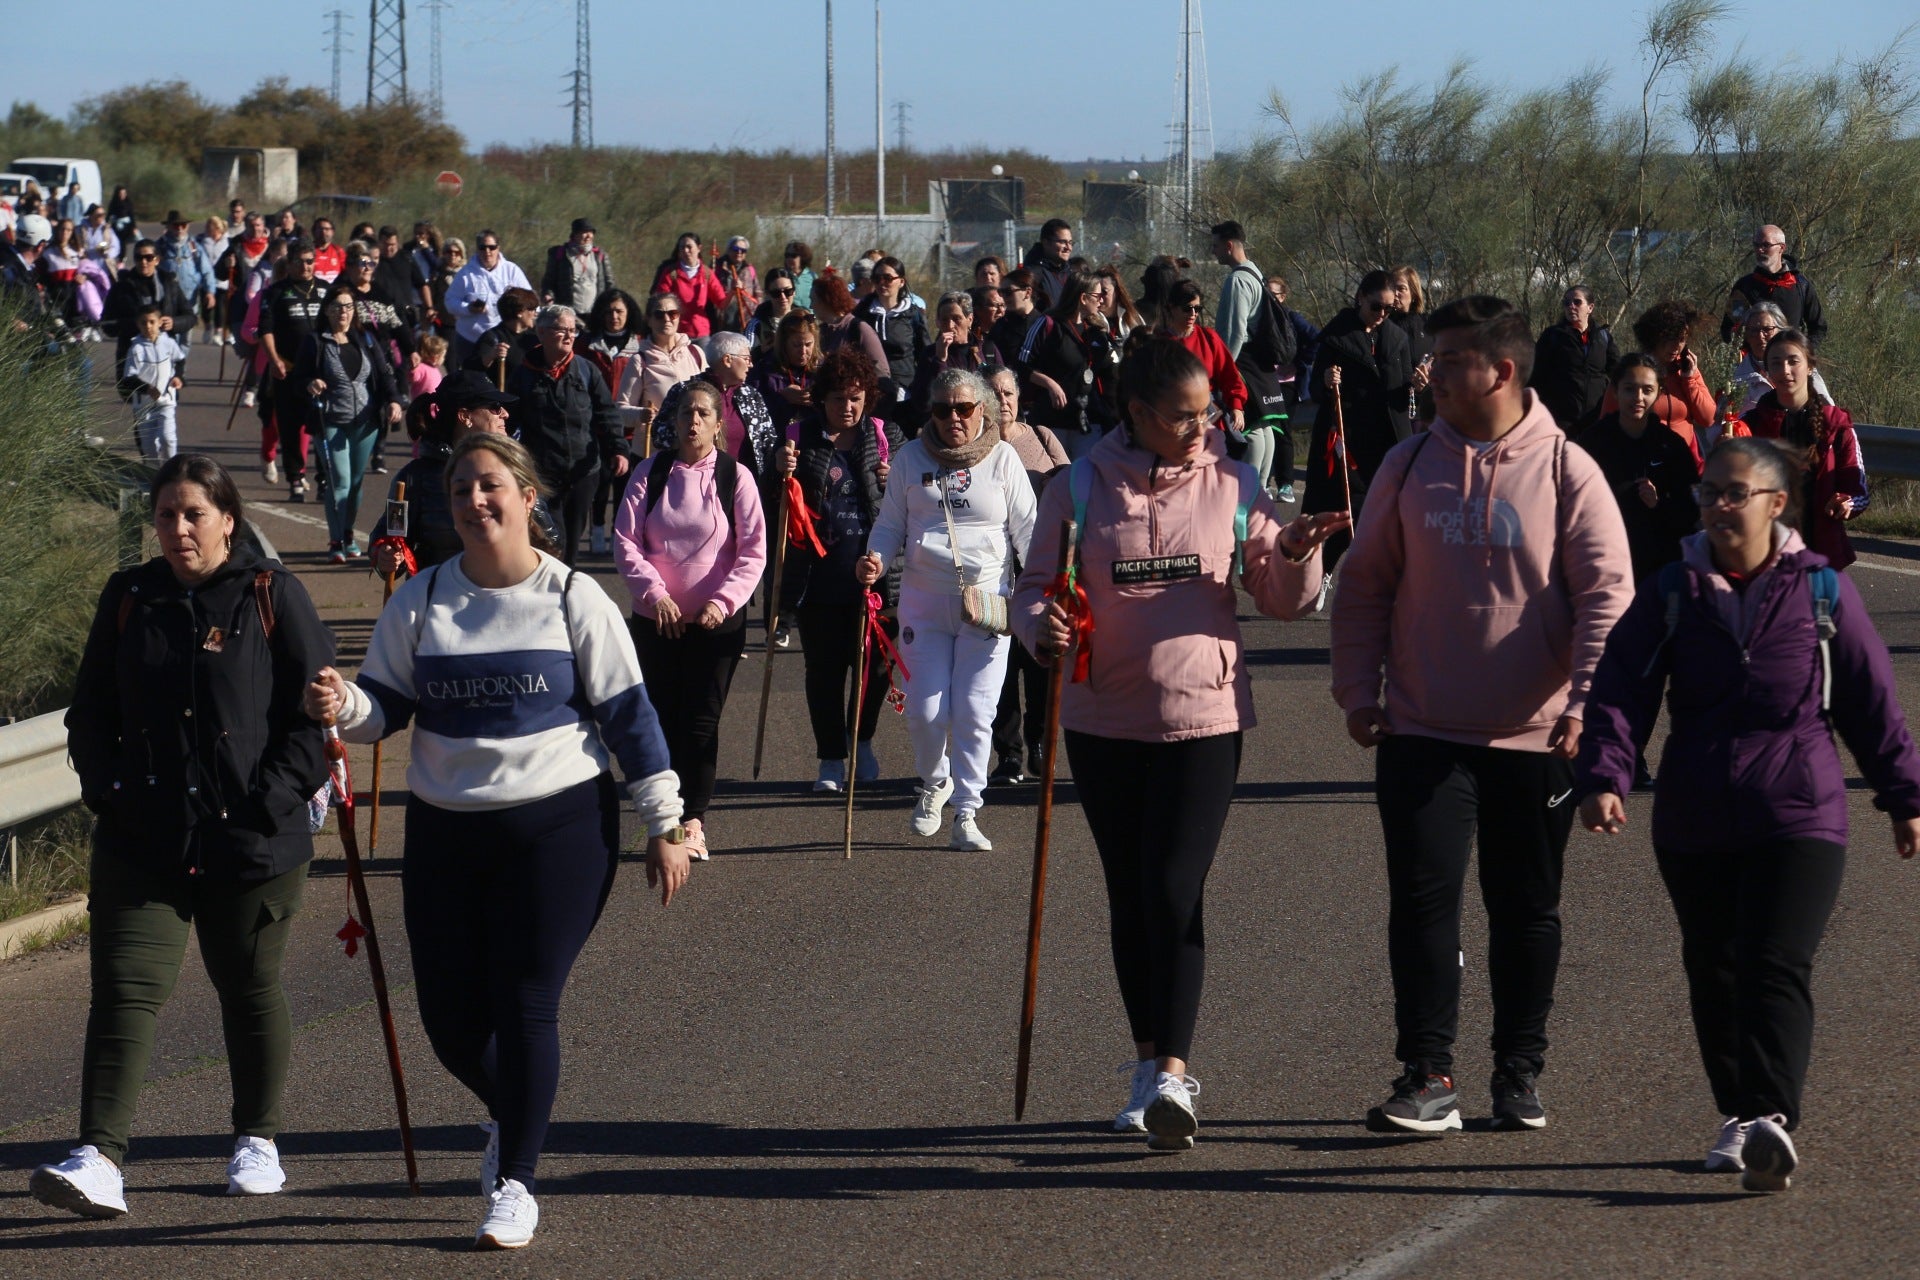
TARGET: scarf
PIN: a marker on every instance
(968, 454)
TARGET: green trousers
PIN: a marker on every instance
(141, 919)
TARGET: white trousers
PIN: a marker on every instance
(952, 694)
(156, 433)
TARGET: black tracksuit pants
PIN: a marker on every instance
(1750, 920)
(1157, 810)
(1432, 796)
(830, 639)
(1015, 729)
(687, 681)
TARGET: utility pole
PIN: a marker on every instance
(582, 77)
(386, 52)
(879, 131)
(338, 33)
(434, 87)
(829, 110)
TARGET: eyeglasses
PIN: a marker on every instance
(1192, 308)
(146, 257)
(1373, 307)
(305, 262)
(563, 333)
(1769, 244)
(360, 264)
(889, 278)
(1065, 244)
(664, 315)
(781, 293)
(489, 248)
(1733, 497)
(1202, 421)
(958, 409)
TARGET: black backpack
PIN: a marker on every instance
(726, 479)
(1271, 341)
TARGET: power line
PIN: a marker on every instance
(582, 77)
(434, 9)
(386, 52)
(337, 31)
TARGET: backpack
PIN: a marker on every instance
(1271, 339)
(1824, 581)
(1080, 485)
(726, 479)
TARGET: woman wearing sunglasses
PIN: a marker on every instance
(1763, 652)
(962, 509)
(666, 358)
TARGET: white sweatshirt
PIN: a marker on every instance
(475, 282)
(993, 509)
(509, 707)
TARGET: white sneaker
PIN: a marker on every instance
(271, 472)
(490, 1160)
(1725, 1157)
(1326, 590)
(967, 836)
(927, 805)
(597, 539)
(1768, 1159)
(1139, 1093)
(1169, 1118)
(247, 399)
(511, 1217)
(255, 1168)
(86, 1183)
(832, 776)
(866, 765)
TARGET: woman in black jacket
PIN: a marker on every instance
(565, 415)
(195, 757)
(1650, 470)
(344, 370)
(842, 458)
(1574, 362)
(1368, 364)
(901, 325)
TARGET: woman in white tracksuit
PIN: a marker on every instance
(959, 475)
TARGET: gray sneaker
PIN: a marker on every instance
(1768, 1156)
(1516, 1099)
(1422, 1103)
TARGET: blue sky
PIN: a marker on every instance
(1068, 78)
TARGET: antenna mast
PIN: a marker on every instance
(582, 77)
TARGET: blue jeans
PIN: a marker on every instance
(348, 446)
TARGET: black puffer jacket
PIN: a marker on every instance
(816, 456)
(192, 748)
(1571, 374)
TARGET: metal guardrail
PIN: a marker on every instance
(35, 778)
(1892, 452)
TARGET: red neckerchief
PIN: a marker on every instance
(556, 371)
(1785, 280)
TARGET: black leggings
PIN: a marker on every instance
(1750, 921)
(830, 638)
(1432, 795)
(1157, 810)
(1014, 728)
(687, 682)
(569, 504)
(498, 904)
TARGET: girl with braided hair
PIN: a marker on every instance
(1833, 475)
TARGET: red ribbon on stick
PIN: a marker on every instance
(1079, 610)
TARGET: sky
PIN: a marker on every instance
(1071, 79)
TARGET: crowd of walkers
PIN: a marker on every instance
(1525, 542)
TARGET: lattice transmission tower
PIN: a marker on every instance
(434, 9)
(337, 35)
(581, 96)
(386, 52)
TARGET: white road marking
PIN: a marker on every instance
(1402, 1253)
(1884, 567)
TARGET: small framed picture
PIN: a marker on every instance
(396, 518)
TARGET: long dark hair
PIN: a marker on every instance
(636, 314)
(1813, 433)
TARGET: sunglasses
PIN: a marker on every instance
(489, 248)
(306, 262)
(958, 409)
(664, 315)
(146, 257)
(781, 293)
(1192, 308)
(886, 279)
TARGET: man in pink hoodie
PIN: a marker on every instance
(1489, 565)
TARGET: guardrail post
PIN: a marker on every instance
(132, 526)
(10, 847)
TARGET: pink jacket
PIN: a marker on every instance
(1481, 585)
(683, 550)
(1166, 653)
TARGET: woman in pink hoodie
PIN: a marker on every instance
(1160, 696)
(691, 564)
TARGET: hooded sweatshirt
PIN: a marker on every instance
(1482, 583)
(992, 507)
(686, 548)
(1751, 756)
(1157, 561)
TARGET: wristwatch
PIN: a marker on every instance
(676, 834)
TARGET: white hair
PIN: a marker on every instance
(728, 343)
(550, 316)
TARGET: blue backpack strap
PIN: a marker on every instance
(1672, 582)
(1825, 583)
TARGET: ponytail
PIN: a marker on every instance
(1153, 366)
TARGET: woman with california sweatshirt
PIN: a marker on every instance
(525, 687)
(842, 455)
(691, 565)
(961, 508)
(1763, 652)
(1832, 475)
(1488, 567)
(1157, 707)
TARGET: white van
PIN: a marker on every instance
(56, 173)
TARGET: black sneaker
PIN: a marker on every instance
(1421, 1103)
(1036, 761)
(1007, 773)
(1516, 1103)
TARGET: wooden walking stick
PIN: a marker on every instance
(353, 931)
(859, 711)
(1342, 455)
(233, 404)
(373, 823)
(500, 366)
(773, 626)
(1067, 593)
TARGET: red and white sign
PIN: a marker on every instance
(448, 182)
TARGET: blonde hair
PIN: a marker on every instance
(433, 349)
(519, 464)
(218, 223)
(1416, 289)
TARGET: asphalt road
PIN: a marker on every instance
(804, 1066)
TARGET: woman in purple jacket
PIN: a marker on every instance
(1766, 651)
